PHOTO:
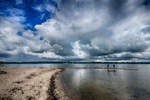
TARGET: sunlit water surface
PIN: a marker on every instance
(112, 84)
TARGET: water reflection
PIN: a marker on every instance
(53, 65)
(108, 84)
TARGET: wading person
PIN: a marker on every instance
(114, 66)
(107, 66)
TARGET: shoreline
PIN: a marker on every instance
(26, 83)
(56, 88)
(35, 83)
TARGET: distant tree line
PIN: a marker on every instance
(71, 62)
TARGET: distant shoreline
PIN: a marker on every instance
(72, 62)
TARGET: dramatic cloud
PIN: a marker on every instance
(88, 29)
(16, 41)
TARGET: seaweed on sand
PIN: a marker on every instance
(3, 72)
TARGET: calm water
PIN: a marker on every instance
(52, 65)
(103, 84)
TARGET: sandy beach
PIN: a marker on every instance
(29, 83)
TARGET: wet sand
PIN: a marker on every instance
(30, 84)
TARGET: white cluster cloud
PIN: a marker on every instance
(15, 15)
(77, 50)
(62, 27)
(27, 44)
(47, 7)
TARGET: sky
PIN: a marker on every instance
(97, 30)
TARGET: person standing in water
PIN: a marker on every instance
(114, 66)
(107, 66)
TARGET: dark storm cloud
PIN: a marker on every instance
(114, 17)
(4, 55)
(117, 8)
(118, 49)
(146, 3)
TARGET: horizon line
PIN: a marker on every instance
(74, 62)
